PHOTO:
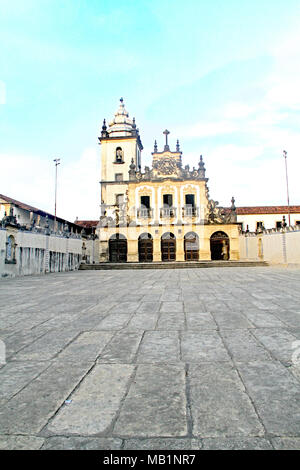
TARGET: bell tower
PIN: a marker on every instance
(120, 145)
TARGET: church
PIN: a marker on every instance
(163, 213)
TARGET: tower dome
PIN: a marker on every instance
(122, 125)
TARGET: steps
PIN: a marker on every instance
(174, 265)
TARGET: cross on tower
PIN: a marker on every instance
(166, 133)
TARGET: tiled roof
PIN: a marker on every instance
(29, 208)
(267, 210)
(87, 223)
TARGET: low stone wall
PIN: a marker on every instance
(23, 253)
(274, 246)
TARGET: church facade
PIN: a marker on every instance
(163, 213)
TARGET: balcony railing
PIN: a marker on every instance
(144, 213)
(167, 212)
(190, 211)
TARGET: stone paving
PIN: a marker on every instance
(151, 359)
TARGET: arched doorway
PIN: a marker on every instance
(191, 246)
(145, 248)
(168, 247)
(118, 248)
(219, 246)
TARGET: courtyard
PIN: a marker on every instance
(151, 359)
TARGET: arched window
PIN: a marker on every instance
(10, 255)
(191, 246)
(145, 244)
(119, 155)
(168, 247)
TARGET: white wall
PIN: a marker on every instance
(38, 253)
(275, 247)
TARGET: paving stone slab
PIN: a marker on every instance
(156, 403)
(125, 307)
(29, 411)
(231, 320)
(248, 443)
(47, 346)
(171, 307)
(276, 395)
(86, 347)
(200, 321)
(121, 349)
(143, 321)
(95, 403)
(263, 319)
(202, 346)
(286, 443)
(194, 307)
(171, 321)
(280, 343)
(148, 307)
(159, 346)
(219, 404)
(114, 321)
(20, 442)
(81, 443)
(291, 318)
(163, 444)
(16, 375)
(243, 346)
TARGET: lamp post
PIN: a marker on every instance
(287, 186)
(57, 162)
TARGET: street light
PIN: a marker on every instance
(57, 162)
(287, 186)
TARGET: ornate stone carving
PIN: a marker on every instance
(166, 166)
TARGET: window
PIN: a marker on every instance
(119, 199)
(119, 155)
(297, 222)
(168, 200)
(190, 200)
(145, 202)
(119, 177)
(10, 255)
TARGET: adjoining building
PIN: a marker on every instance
(255, 218)
(162, 214)
(31, 218)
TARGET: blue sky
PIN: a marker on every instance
(223, 76)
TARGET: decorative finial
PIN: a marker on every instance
(155, 146)
(177, 146)
(166, 133)
(201, 168)
(132, 165)
(104, 132)
(233, 208)
(121, 99)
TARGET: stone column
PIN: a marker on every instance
(156, 249)
(180, 247)
(204, 247)
(132, 251)
(103, 251)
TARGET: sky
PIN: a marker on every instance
(222, 76)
